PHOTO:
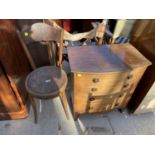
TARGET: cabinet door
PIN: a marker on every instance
(8, 101)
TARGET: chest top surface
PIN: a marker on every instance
(129, 55)
(106, 58)
(94, 59)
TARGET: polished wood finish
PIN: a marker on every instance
(94, 59)
(129, 55)
(104, 77)
(14, 68)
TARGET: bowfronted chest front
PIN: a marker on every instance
(104, 77)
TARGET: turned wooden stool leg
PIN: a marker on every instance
(64, 103)
(34, 108)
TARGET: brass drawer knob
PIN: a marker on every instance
(93, 89)
(117, 104)
(95, 80)
(91, 99)
(129, 76)
(90, 108)
(126, 85)
(120, 95)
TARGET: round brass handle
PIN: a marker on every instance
(129, 76)
(117, 104)
(91, 99)
(120, 95)
(93, 89)
(90, 108)
(126, 85)
(95, 80)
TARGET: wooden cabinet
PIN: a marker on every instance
(14, 68)
(143, 38)
(104, 77)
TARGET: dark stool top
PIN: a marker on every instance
(46, 82)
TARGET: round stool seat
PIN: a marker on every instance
(46, 82)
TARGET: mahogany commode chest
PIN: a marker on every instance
(104, 77)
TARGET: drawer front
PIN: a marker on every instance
(91, 104)
(80, 103)
(130, 85)
(111, 90)
(103, 103)
(99, 84)
(133, 78)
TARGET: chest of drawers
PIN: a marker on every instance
(104, 77)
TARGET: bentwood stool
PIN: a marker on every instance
(46, 83)
(49, 81)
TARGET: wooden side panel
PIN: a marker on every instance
(8, 101)
(131, 83)
(15, 67)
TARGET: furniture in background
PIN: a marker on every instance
(76, 25)
(48, 82)
(104, 77)
(143, 38)
(96, 34)
(14, 68)
(119, 30)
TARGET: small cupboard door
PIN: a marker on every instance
(8, 101)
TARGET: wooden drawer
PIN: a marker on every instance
(133, 78)
(97, 84)
(110, 73)
(101, 103)
(110, 93)
(130, 85)
(80, 103)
